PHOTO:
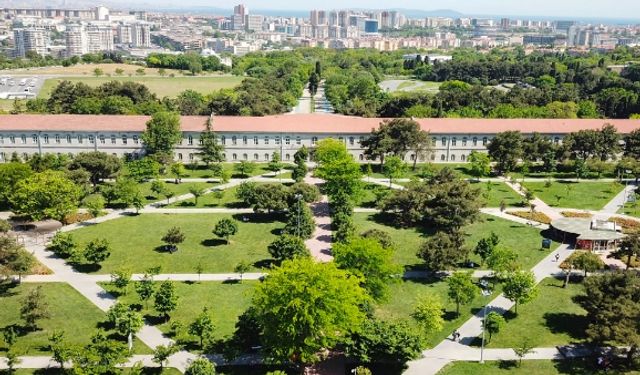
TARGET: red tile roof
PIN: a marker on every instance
(312, 123)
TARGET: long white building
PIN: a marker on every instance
(256, 138)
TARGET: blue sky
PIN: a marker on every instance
(576, 8)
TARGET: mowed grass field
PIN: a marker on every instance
(584, 195)
(161, 86)
(136, 242)
(87, 69)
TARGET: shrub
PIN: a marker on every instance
(576, 214)
(536, 216)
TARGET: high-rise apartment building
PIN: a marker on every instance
(141, 35)
(30, 40)
(81, 39)
(238, 19)
(254, 22)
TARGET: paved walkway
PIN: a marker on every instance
(320, 243)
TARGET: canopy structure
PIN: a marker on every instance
(589, 234)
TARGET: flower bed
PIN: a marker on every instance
(577, 214)
(628, 225)
(535, 216)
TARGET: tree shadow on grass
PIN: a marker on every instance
(265, 263)
(507, 365)
(86, 268)
(213, 242)
(261, 218)
(7, 289)
(572, 324)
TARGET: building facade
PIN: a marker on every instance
(30, 40)
(256, 138)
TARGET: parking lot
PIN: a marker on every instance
(20, 87)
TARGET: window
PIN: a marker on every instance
(25, 156)
(101, 138)
(287, 157)
(23, 139)
(287, 141)
(68, 139)
(190, 140)
(46, 138)
(135, 139)
(443, 157)
(200, 141)
(190, 157)
(266, 157)
(298, 141)
(256, 157)
(234, 140)
(412, 157)
(433, 157)
(475, 141)
(352, 141)
(266, 140)
(360, 140)
(180, 156)
(341, 139)
(314, 140)
(124, 139)
(57, 138)
(92, 140)
(464, 141)
(234, 156)
(80, 139)
(34, 138)
(361, 157)
(12, 138)
(485, 140)
(277, 140)
(463, 158)
(453, 158)
(454, 141)
(244, 140)
(444, 141)
(255, 140)
(434, 140)
(245, 157)
(113, 139)
(223, 140)
(556, 140)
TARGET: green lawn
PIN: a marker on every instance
(201, 171)
(525, 240)
(496, 192)
(68, 309)
(161, 86)
(631, 209)
(369, 195)
(403, 297)
(222, 198)
(549, 320)
(581, 195)
(176, 189)
(530, 367)
(136, 245)
(123, 371)
(461, 168)
(225, 302)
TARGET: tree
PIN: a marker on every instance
(506, 149)
(520, 287)
(174, 237)
(121, 280)
(428, 312)
(225, 228)
(382, 237)
(158, 187)
(178, 170)
(100, 356)
(45, 195)
(143, 169)
(95, 205)
(241, 268)
(326, 309)
(220, 172)
(63, 245)
(522, 350)
(12, 358)
(197, 192)
(369, 260)
(97, 251)
(210, 150)
(98, 72)
(493, 323)
(21, 263)
(287, 247)
(629, 248)
(502, 260)
(485, 246)
(632, 144)
(245, 168)
(586, 261)
(127, 323)
(145, 288)
(393, 168)
(201, 366)
(300, 221)
(166, 299)
(34, 308)
(162, 133)
(300, 158)
(442, 251)
(275, 165)
(100, 165)
(162, 353)
(60, 351)
(10, 175)
(480, 164)
(462, 290)
(269, 198)
(202, 326)
(385, 342)
(612, 302)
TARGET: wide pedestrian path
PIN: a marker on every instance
(320, 242)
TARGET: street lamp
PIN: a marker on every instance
(485, 293)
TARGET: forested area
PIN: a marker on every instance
(552, 85)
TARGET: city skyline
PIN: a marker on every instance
(626, 9)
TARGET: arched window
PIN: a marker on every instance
(443, 157)
(454, 141)
(234, 140)
(234, 156)
(314, 140)
(361, 157)
(190, 140)
(190, 157)
(463, 158)
(464, 141)
(256, 156)
(223, 140)
(433, 157)
(266, 157)
(485, 140)
(245, 157)
(453, 158)
(475, 141)
(444, 141)
(180, 156)
(287, 157)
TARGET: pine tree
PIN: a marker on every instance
(210, 150)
